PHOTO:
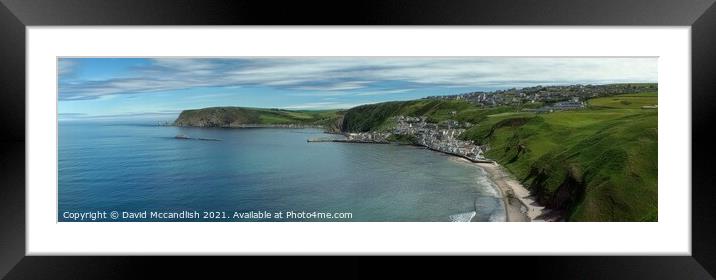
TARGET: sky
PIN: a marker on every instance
(159, 88)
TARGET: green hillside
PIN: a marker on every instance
(375, 117)
(237, 116)
(625, 101)
(598, 164)
(595, 164)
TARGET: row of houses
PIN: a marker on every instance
(443, 138)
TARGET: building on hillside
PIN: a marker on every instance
(568, 105)
(560, 106)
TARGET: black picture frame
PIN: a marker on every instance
(16, 15)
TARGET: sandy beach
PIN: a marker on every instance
(519, 205)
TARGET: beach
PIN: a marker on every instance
(519, 205)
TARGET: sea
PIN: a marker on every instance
(140, 172)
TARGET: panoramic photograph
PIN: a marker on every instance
(357, 139)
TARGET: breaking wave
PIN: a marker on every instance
(491, 188)
(462, 217)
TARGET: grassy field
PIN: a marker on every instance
(625, 101)
(597, 164)
(277, 116)
(228, 116)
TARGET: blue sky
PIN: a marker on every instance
(159, 88)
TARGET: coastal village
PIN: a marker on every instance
(546, 94)
(442, 137)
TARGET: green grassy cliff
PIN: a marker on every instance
(598, 164)
(594, 164)
(238, 116)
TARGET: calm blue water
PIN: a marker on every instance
(136, 168)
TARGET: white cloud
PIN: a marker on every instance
(65, 67)
(333, 74)
(383, 92)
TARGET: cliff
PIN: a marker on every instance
(596, 164)
(237, 117)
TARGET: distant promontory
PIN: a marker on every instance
(239, 117)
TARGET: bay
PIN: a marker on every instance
(141, 167)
